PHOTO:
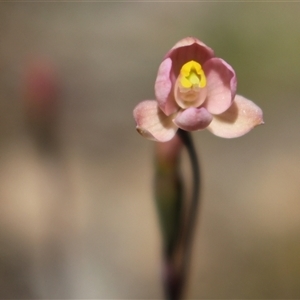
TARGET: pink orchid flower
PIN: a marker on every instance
(195, 90)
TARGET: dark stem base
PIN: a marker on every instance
(177, 277)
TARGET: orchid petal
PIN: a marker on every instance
(163, 88)
(186, 50)
(239, 119)
(190, 41)
(192, 119)
(152, 123)
(221, 85)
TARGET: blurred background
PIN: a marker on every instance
(77, 217)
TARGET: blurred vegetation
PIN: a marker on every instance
(80, 218)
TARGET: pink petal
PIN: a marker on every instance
(192, 119)
(240, 118)
(221, 85)
(188, 49)
(163, 87)
(189, 41)
(152, 123)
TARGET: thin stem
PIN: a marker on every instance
(193, 210)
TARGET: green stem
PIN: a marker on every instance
(193, 211)
(177, 231)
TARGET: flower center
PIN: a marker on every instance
(192, 75)
(190, 87)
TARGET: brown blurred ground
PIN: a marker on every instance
(78, 220)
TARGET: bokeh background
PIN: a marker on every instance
(77, 218)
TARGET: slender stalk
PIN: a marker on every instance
(193, 210)
(177, 226)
